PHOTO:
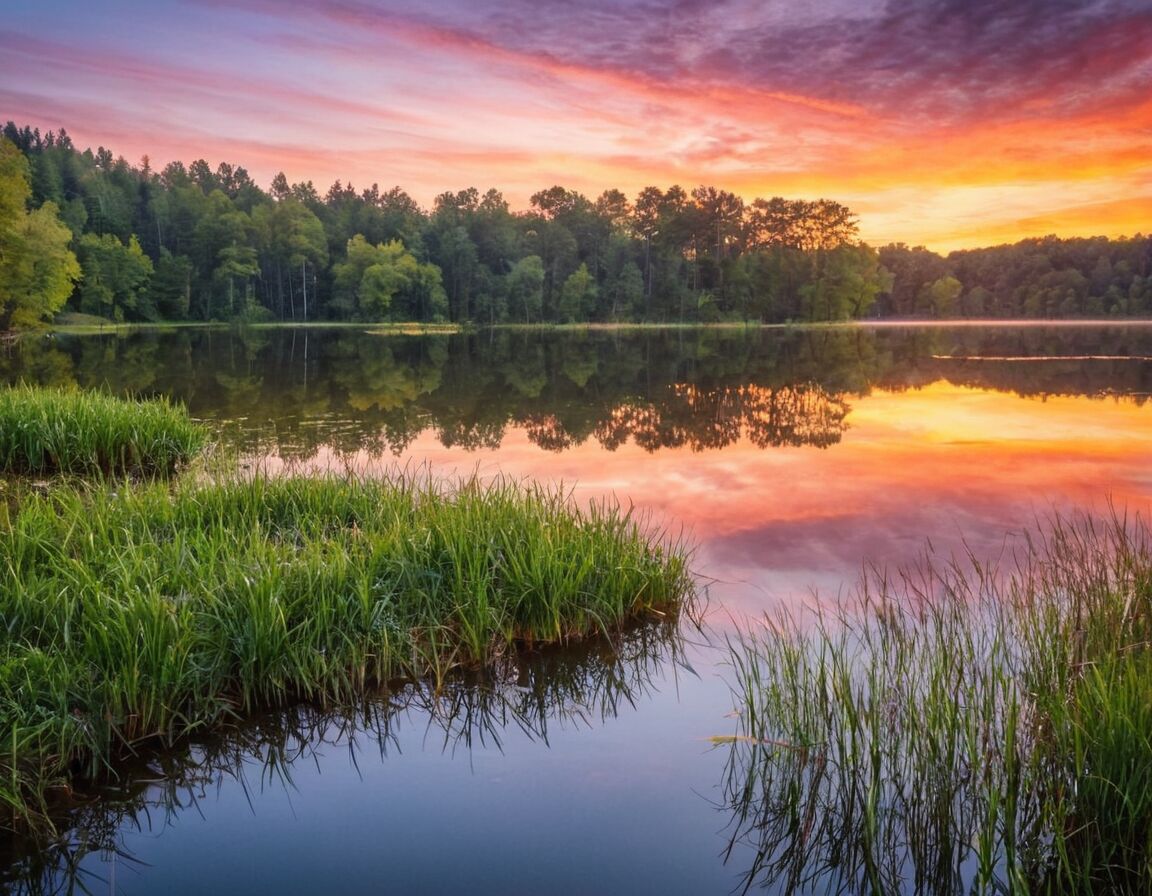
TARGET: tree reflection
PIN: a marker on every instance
(293, 393)
(531, 693)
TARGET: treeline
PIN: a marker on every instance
(1034, 278)
(197, 243)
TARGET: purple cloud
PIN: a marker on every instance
(947, 60)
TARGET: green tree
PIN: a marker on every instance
(525, 283)
(222, 253)
(913, 269)
(719, 219)
(37, 269)
(110, 189)
(292, 247)
(844, 284)
(578, 295)
(114, 278)
(452, 249)
(386, 281)
(236, 266)
(622, 295)
(939, 297)
(14, 186)
(171, 286)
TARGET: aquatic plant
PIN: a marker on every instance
(964, 728)
(46, 431)
(526, 694)
(154, 612)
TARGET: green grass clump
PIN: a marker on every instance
(961, 730)
(150, 614)
(49, 431)
(529, 693)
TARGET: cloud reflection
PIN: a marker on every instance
(958, 468)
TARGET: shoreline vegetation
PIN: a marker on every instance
(89, 232)
(531, 693)
(959, 727)
(47, 432)
(66, 325)
(75, 324)
(141, 614)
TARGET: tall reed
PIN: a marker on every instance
(960, 729)
(47, 431)
(529, 693)
(153, 612)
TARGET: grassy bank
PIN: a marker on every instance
(152, 613)
(415, 329)
(88, 325)
(630, 326)
(529, 694)
(48, 431)
(959, 730)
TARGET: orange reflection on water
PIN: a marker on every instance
(960, 467)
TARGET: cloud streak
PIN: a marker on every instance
(948, 60)
(866, 101)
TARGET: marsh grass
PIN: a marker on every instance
(525, 694)
(155, 612)
(415, 328)
(55, 431)
(959, 729)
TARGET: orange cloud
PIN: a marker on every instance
(936, 122)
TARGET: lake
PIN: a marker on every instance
(791, 458)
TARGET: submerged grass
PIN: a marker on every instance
(48, 431)
(154, 612)
(964, 729)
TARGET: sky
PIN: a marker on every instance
(945, 123)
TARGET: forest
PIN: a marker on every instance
(86, 231)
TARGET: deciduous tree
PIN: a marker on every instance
(37, 269)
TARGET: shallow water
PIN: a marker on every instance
(791, 457)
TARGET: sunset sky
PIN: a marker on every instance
(947, 123)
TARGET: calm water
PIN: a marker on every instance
(792, 458)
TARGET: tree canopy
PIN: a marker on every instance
(37, 269)
(202, 243)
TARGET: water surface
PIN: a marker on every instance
(791, 457)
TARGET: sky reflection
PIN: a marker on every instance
(961, 468)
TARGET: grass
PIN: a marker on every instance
(963, 729)
(415, 328)
(629, 326)
(78, 319)
(76, 324)
(529, 694)
(50, 431)
(148, 614)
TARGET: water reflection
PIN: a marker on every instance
(291, 393)
(792, 456)
(531, 695)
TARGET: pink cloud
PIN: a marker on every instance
(857, 101)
